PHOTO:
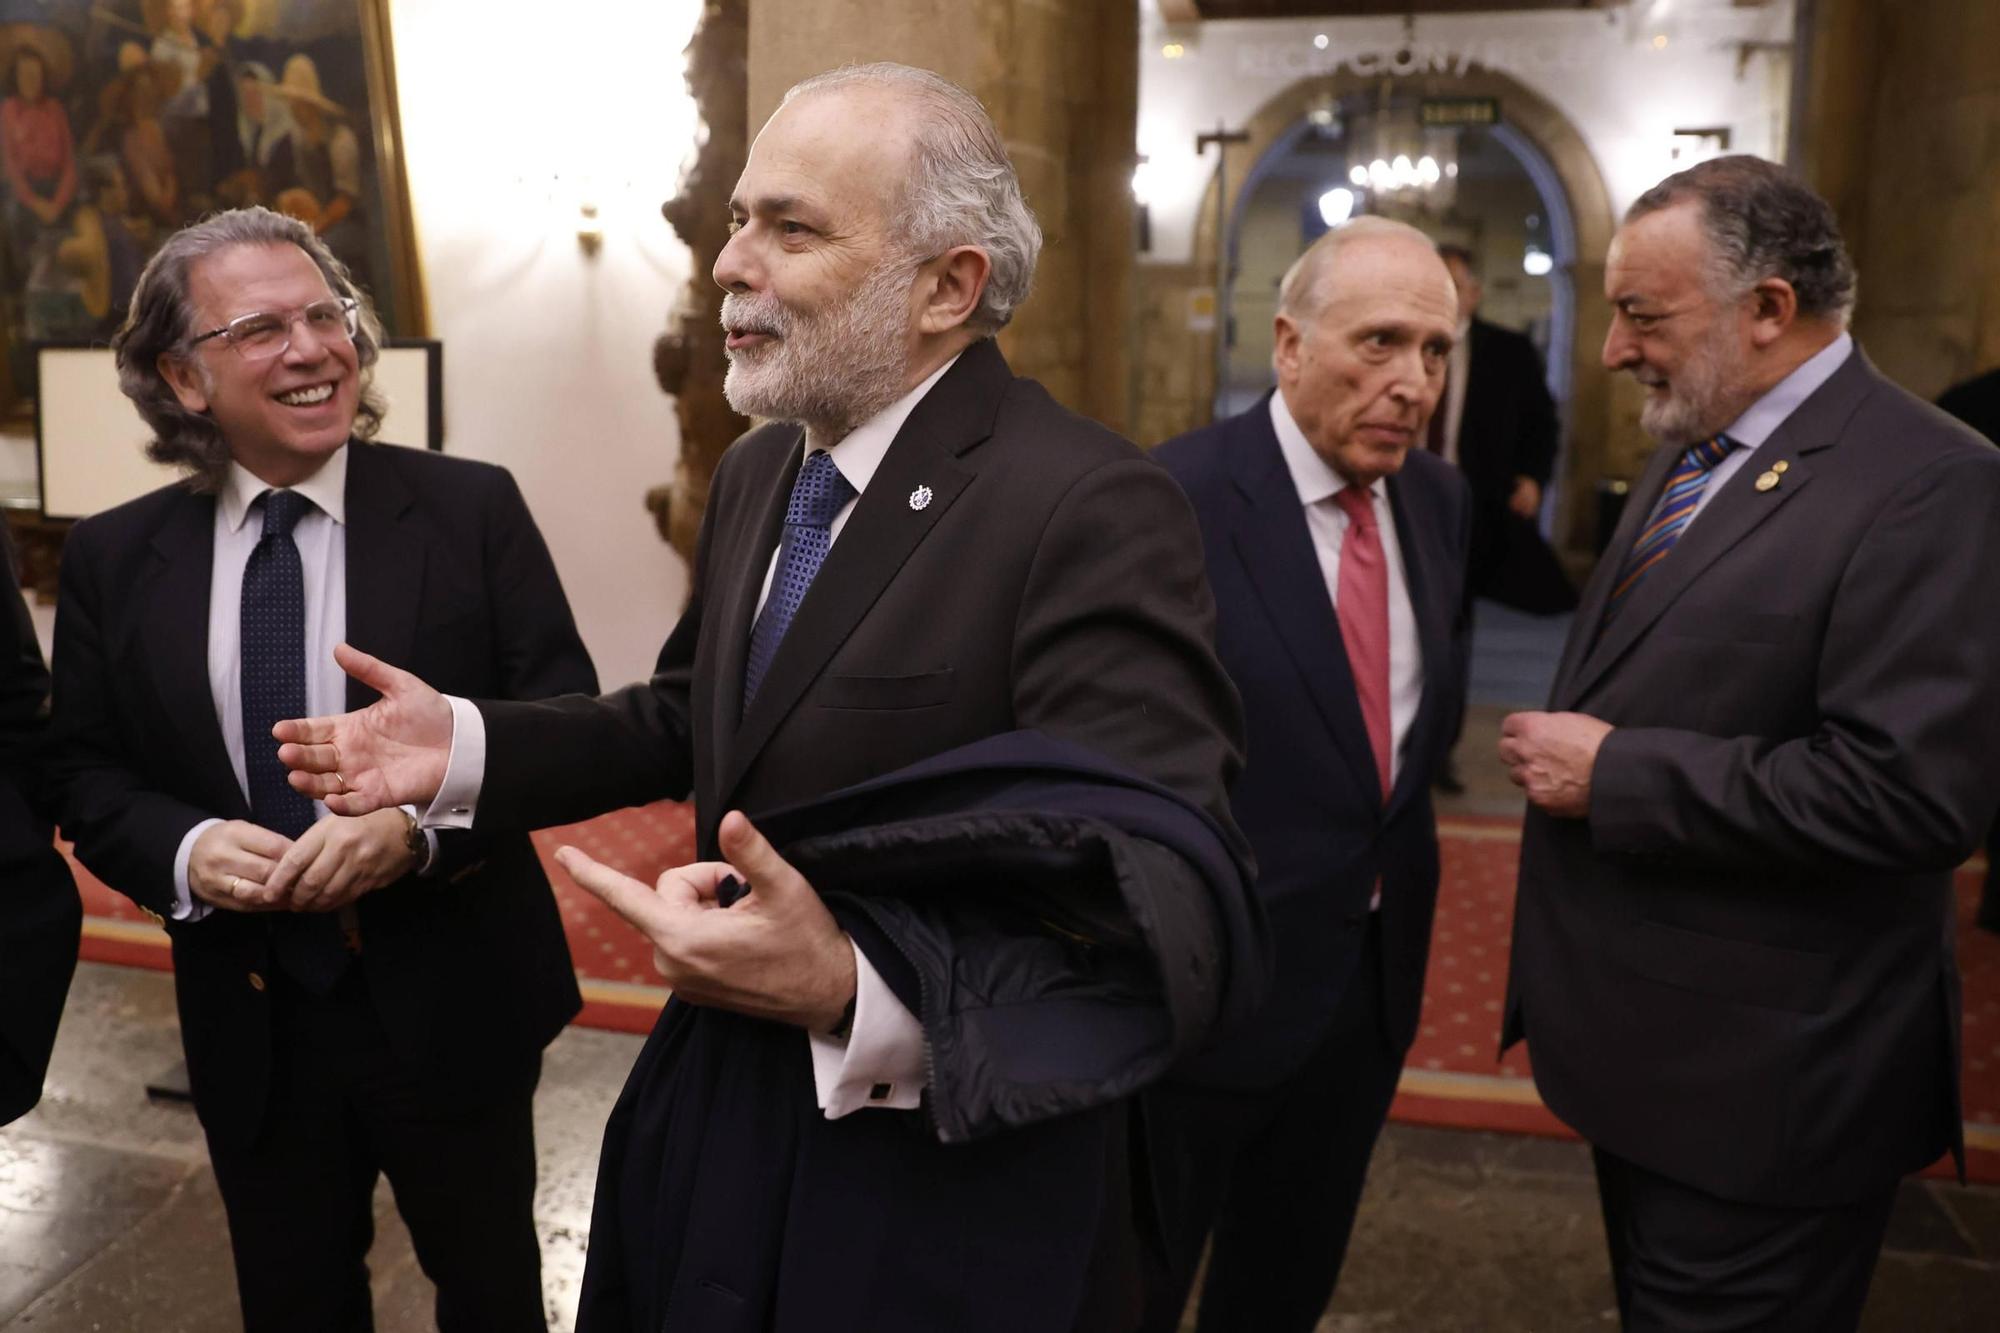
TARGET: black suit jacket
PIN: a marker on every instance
(40, 916)
(1309, 799)
(1010, 566)
(1738, 971)
(447, 576)
(1508, 430)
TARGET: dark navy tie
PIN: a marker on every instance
(819, 493)
(273, 633)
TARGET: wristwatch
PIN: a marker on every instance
(843, 1029)
(413, 838)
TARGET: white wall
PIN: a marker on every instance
(1601, 68)
(511, 112)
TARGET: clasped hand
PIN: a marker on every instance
(1552, 756)
(776, 954)
(244, 867)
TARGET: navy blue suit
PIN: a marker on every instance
(1348, 982)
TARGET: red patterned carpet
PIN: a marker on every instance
(1451, 1078)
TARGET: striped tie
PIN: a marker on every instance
(1670, 520)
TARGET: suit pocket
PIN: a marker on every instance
(925, 690)
(1759, 974)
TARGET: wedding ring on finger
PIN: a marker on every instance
(341, 788)
(234, 882)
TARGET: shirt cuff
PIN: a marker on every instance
(185, 907)
(881, 1063)
(457, 800)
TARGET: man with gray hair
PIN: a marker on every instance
(1775, 734)
(875, 1112)
(358, 998)
(1337, 548)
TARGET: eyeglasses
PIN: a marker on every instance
(267, 333)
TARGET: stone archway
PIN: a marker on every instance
(1601, 438)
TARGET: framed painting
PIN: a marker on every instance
(124, 120)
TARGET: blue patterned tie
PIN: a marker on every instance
(1670, 520)
(273, 633)
(819, 493)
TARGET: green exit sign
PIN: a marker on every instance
(1457, 112)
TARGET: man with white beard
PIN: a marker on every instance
(844, 1121)
(1776, 733)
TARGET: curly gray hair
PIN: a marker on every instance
(963, 190)
(160, 322)
(1763, 222)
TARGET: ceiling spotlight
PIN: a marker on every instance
(1537, 263)
(1320, 42)
(1173, 50)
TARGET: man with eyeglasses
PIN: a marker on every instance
(385, 1013)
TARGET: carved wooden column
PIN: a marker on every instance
(688, 358)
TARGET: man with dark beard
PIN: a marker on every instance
(1777, 724)
(842, 1123)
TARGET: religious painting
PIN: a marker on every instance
(124, 120)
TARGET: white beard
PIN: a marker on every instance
(830, 369)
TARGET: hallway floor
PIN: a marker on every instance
(109, 1220)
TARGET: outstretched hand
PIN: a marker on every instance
(393, 752)
(777, 954)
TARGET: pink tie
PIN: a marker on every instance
(1362, 604)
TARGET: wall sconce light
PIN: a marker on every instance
(589, 228)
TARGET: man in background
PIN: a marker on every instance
(40, 915)
(1775, 733)
(1337, 549)
(1497, 423)
(357, 998)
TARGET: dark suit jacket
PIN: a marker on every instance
(1738, 971)
(39, 912)
(1309, 798)
(447, 576)
(1051, 580)
(1508, 430)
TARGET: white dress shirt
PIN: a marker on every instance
(1769, 412)
(1317, 483)
(881, 1061)
(321, 538)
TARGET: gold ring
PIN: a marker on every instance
(342, 781)
(234, 880)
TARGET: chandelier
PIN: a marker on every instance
(1400, 161)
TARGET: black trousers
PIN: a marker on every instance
(1686, 1261)
(343, 1111)
(1274, 1174)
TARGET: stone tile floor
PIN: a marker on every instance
(109, 1220)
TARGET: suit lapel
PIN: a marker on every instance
(1419, 540)
(1735, 511)
(175, 636)
(1274, 546)
(884, 528)
(385, 564)
(740, 583)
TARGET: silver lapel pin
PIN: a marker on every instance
(920, 498)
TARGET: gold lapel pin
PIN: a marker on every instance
(1769, 481)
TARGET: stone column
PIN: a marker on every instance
(1900, 129)
(1061, 80)
(688, 358)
